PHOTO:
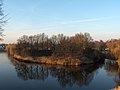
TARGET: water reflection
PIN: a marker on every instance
(28, 71)
(66, 76)
(113, 70)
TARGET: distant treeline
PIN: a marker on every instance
(78, 46)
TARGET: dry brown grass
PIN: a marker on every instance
(48, 60)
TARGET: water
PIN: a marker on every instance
(15, 75)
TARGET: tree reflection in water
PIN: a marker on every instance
(64, 75)
(28, 71)
(113, 69)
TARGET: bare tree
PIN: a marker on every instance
(2, 19)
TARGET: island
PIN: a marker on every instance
(63, 50)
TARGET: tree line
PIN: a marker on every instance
(114, 47)
(77, 46)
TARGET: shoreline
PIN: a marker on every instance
(51, 61)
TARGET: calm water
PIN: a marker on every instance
(16, 75)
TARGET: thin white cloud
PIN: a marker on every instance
(74, 22)
(58, 25)
(85, 20)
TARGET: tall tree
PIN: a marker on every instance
(2, 19)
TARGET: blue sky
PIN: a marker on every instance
(100, 18)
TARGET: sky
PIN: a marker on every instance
(100, 18)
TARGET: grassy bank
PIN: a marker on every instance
(52, 60)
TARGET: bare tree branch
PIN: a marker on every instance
(3, 20)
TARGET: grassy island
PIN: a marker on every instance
(61, 50)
